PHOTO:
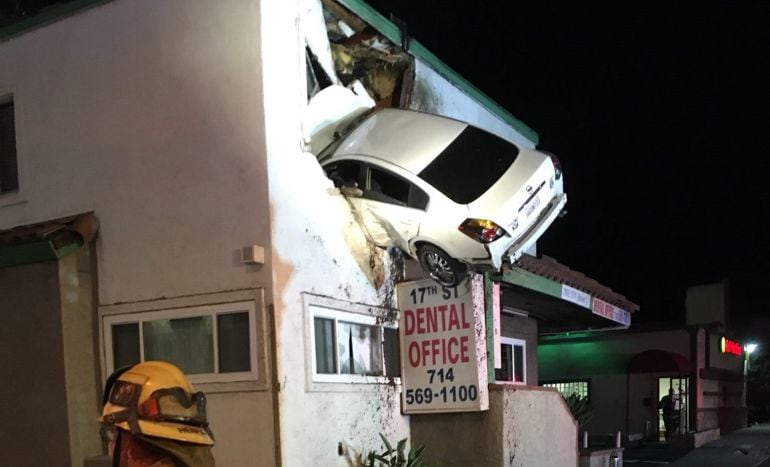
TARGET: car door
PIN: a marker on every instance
(389, 208)
(392, 208)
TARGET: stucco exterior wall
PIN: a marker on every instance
(434, 94)
(604, 361)
(505, 435)
(147, 113)
(150, 115)
(318, 252)
(33, 390)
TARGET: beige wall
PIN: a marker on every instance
(524, 427)
(150, 114)
(34, 396)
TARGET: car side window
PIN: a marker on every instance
(346, 173)
(388, 188)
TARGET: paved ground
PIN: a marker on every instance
(652, 455)
(749, 447)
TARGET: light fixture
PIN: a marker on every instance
(749, 348)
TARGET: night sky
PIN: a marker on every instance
(659, 114)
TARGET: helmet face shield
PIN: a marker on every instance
(175, 405)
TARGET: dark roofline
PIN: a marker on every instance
(47, 16)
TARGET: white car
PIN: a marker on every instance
(445, 192)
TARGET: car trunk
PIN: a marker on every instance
(530, 172)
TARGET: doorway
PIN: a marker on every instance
(680, 385)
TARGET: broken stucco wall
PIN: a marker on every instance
(318, 250)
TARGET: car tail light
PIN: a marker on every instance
(556, 163)
(481, 230)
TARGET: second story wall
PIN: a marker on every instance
(149, 114)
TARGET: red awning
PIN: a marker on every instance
(658, 361)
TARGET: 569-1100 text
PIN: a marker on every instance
(445, 394)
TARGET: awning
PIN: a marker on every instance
(561, 299)
(658, 361)
(45, 241)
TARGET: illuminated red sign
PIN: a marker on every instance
(730, 346)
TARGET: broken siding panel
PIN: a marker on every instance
(435, 94)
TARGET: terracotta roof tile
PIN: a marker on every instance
(550, 268)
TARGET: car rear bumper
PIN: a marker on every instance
(499, 253)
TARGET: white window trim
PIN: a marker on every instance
(554, 385)
(315, 310)
(191, 312)
(512, 341)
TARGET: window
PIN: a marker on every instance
(9, 176)
(346, 173)
(480, 158)
(514, 362)
(389, 188)
(352, 347)
(377, 184)
(208, 343)
(567, 388)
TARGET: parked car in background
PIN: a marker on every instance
(449, 194)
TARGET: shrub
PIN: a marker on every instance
(397, 457)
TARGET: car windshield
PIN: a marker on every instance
(470, 165)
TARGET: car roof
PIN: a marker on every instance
(406, 138)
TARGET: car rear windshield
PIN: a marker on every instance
(470, 165)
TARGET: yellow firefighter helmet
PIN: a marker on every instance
(155, 399)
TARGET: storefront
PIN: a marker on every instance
(626, 374)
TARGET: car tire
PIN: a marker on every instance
(441, 267)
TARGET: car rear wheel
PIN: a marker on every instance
(441, 267)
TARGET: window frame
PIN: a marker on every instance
(8, 98)
(412, 189)
(513, 341)
(364, 182)
(327, 310)
(587, 382)
(190, 312)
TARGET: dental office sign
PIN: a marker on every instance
(611, 312)
(443, 347)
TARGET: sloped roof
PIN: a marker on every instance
(550, 268)
(48, 240)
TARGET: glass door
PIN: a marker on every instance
(673, 392)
